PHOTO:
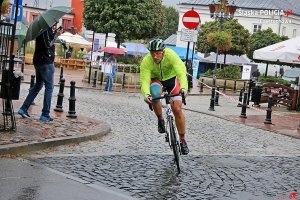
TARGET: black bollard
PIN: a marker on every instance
(249, 91)
(240, 97)
(244, 107)
(234, 87)
(217, 97)
(224, 86)
(268, 119)
(201, 85)
(212, 99)
(61, 73)
(32, 80)
(95, 79)
(101, 78)
(60, 96)
(123, 81)
(72, 99)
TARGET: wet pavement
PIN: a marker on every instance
(229, 158)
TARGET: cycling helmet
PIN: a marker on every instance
(156, 45)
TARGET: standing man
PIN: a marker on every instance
(162, 69)
(43, 60)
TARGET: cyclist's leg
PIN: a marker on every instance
(156, 90)
(176, 105)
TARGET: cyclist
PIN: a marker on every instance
(163, 69)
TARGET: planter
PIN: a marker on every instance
(229, 82)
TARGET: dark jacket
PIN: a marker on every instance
(44, 48)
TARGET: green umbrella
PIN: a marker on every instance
(46, 20)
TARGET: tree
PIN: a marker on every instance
(240, 37)
(262, 39)
(170, 22)
(128, 19)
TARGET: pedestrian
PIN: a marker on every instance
(69, 52)
(110, 70)
(255, 75)
(43, 60)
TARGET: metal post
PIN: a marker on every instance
(60, 96)
(268, 119)
(61, 73)
(95, 79)
(224, 86)
(244, 107)
(90, 69)
(72, 100)
(212, 99)
(249, 91)
(234, 87)
(32, 80)
(201, 85)
(240, 97)
(217, 97)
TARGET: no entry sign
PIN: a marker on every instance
(191, 19)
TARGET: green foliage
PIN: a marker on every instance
(273, 79)
(229, 71)
(240, 37)
(263, 38)
(128, 19)
(220, 39)
(170, 22)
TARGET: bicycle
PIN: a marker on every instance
(172, 136)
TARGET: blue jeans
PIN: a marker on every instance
(109, 83)
(44, 75)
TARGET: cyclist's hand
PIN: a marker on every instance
(184, 92)
(148, 99)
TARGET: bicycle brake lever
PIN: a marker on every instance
(150, 107)
(183, 98)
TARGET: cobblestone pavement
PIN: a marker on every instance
(226, 160)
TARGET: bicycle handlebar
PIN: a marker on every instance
(169, 96)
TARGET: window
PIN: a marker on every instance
(294, 32)
(256, 27)
(283, 30)
(66, 24)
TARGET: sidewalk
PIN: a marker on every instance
(32, 134)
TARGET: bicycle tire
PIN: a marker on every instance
(174, 144)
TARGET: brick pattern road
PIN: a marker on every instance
(227, 160)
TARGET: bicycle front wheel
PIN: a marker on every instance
(174, 144)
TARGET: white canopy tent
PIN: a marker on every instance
(287, 51)
(74, 40)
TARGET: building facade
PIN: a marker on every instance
(282, 16)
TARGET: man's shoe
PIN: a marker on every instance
(23, 113)
(161, 126)
(46, 118)
(184, 147)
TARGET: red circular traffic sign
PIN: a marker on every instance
(191, 19)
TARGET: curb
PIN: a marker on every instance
(26, 147)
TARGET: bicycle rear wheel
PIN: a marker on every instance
(174, 144)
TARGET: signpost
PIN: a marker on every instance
(191, 20)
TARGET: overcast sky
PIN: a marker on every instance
(46, 3)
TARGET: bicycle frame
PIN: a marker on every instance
(171, 130)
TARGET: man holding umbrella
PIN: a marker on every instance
(43, 29)
(43, 60)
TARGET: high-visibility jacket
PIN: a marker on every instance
(170, 66)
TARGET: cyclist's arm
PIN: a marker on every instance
(180, 70)
(145, 78)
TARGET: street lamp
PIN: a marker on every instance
(220, 10)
